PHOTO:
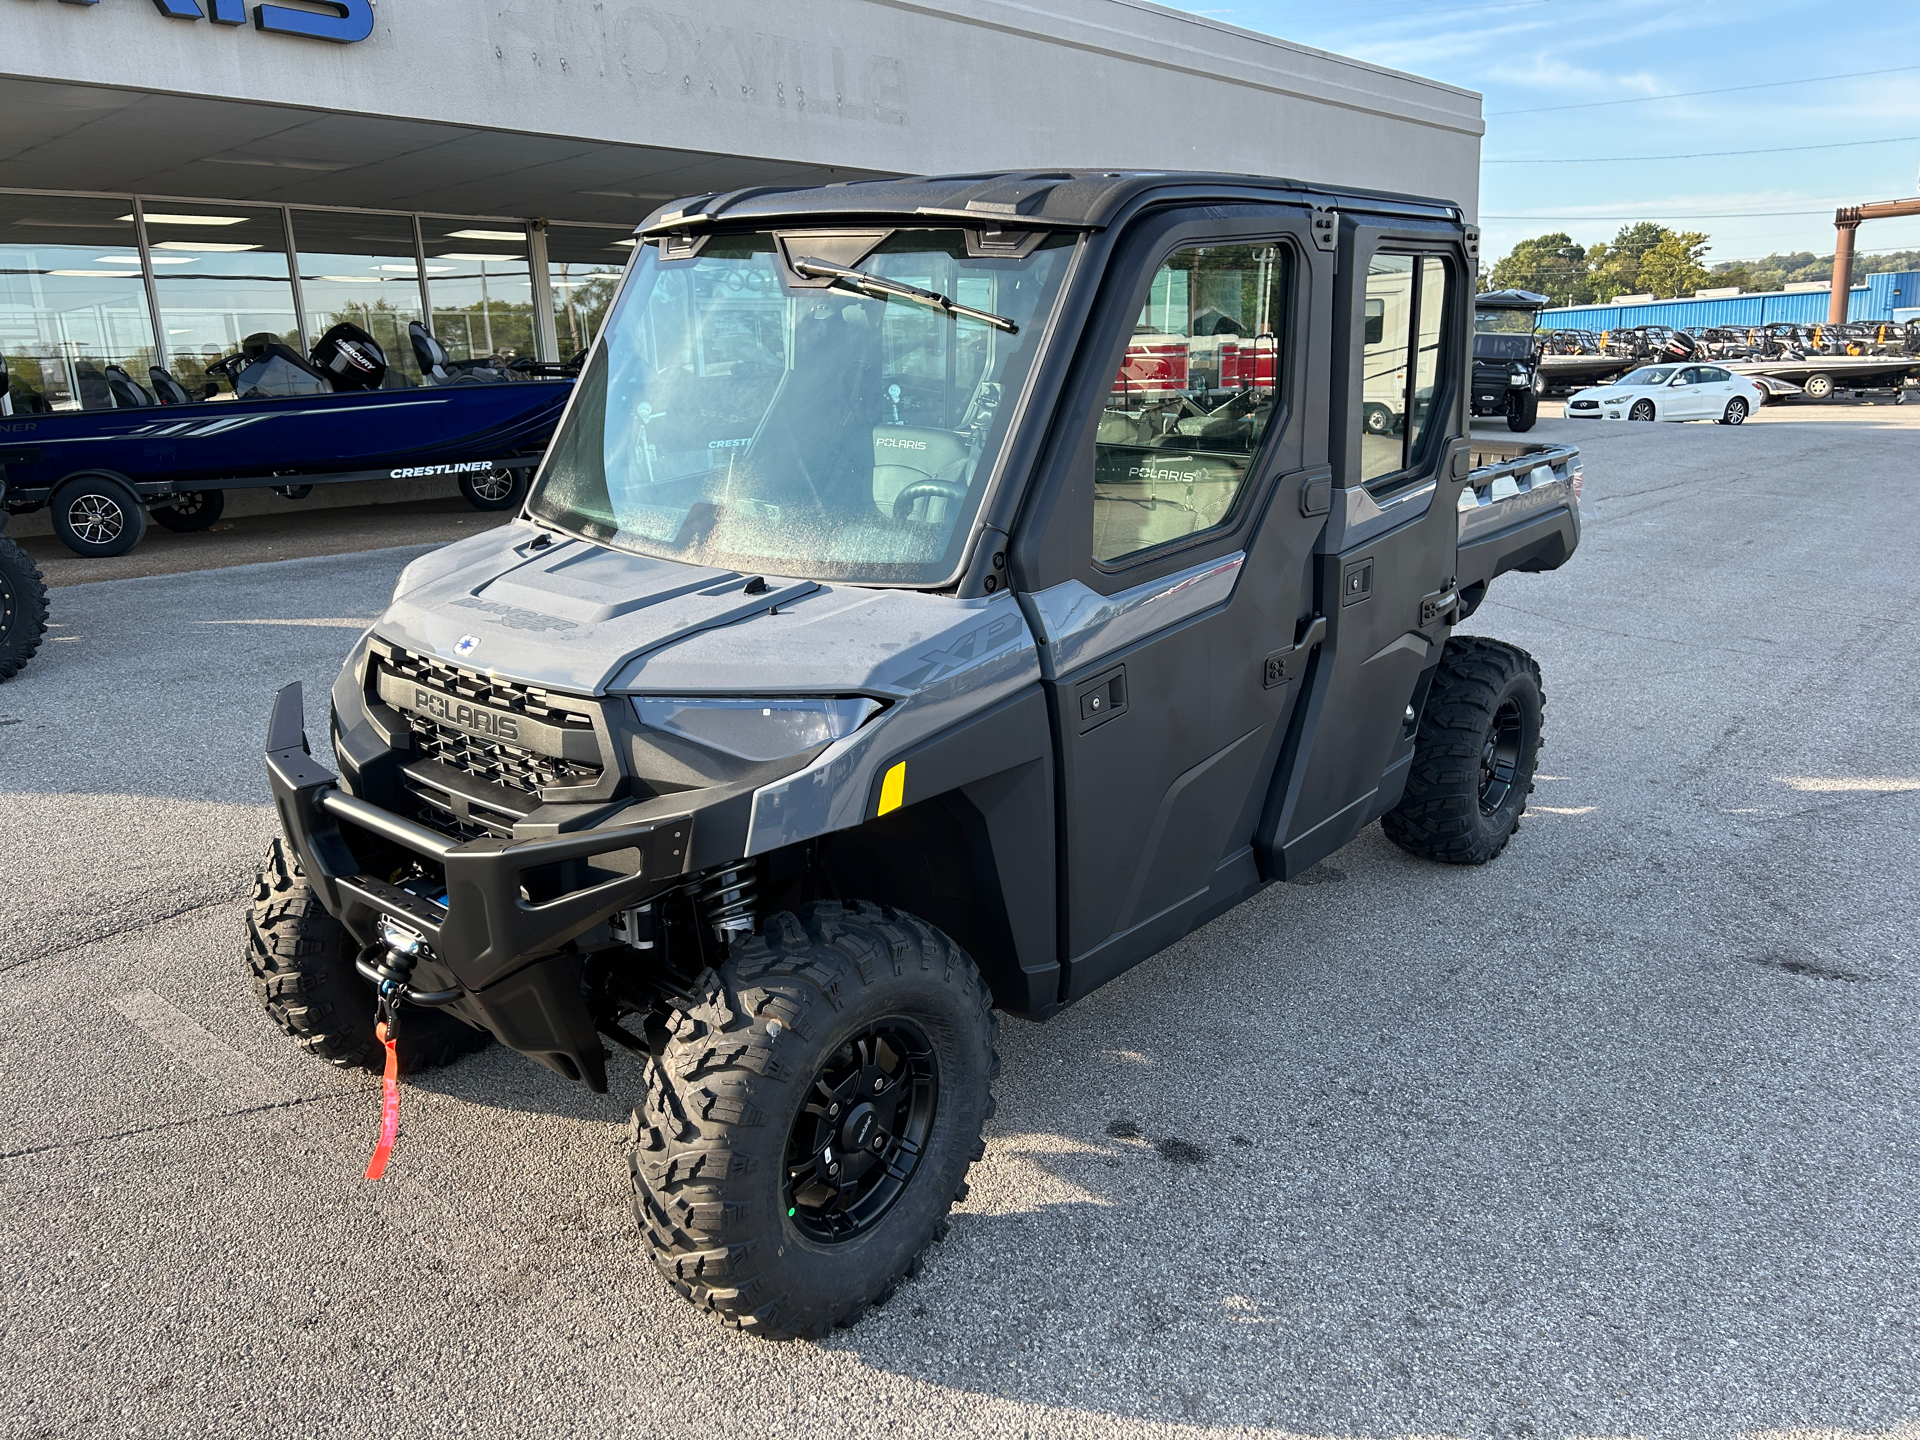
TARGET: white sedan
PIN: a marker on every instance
(1671, 392)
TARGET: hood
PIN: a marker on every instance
(569, 614)
(578, 617)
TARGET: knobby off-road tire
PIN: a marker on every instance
(23, 608)
(303, 976)
(1525, 411)
(1474, 755)
(728, 1176)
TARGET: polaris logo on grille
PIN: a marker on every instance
(465, 717)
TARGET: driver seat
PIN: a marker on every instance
(128, 393)
(429, 352)
(169, 390)
(905, 455)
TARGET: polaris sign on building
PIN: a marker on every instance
(177, 175)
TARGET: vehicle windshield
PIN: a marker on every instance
(1648, 375)
(1504, 322)
(740, 415)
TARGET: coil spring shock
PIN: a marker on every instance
(726, 900)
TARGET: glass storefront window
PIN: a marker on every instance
(584, 265)
(72, 301)
(361, 269)
(481, 288)
(221, 274)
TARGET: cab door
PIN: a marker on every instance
(1191, 504)
(1384, 569)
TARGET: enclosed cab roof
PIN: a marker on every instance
(1052, 199)
(1510, 300)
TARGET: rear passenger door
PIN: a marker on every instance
(1168, 657)
(1384, 571)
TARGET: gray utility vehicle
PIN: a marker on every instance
(940, 595)
(1506, 356)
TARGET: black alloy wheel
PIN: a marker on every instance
(1500, 759)
(194, 511)
(1642, 410)
(98, 516)
(857, 1141)
(495, 489)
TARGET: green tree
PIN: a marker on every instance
(1672, 267)
(1551, 265)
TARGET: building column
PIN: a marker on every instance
(546, 339)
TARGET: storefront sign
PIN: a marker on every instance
(341, 21)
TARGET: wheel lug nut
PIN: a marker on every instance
(834, 1168)
(833, 1109)
(879, 1082)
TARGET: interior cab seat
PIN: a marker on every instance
(127, 393)
(166, 389)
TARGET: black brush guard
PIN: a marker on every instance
(497, 950)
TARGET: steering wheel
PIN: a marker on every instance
(945, 489)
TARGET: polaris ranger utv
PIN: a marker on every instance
(1506, 356)
(895, 634)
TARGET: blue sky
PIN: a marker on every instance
(1525, 55)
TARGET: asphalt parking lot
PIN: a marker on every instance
(1615, 1136)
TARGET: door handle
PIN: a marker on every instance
(1283, 665)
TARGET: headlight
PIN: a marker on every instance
(1517, 375)
(755, 729)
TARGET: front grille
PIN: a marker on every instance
(484, 690)
(439, 810)
(515, 767)
(494, 762)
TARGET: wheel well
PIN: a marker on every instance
(933, 859)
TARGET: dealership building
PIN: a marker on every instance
(176, 175)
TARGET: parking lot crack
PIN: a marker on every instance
(159, 1125)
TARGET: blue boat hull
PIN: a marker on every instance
(291, 440)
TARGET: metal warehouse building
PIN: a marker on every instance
(1877, 300)
(177, 174)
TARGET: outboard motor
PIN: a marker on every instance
(350, 358)
(1680, 346)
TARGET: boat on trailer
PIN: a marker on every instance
(289, 423)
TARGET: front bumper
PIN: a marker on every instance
(500, 951)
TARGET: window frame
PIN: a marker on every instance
(1413, 462)
(1292, 297)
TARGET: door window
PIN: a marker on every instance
(1400, 377)
(1193, 399)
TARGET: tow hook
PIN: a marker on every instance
(397, 952)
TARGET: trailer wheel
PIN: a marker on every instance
(496, 489)
(1377, 418)
(23, 608)
(193, 511)
(1817, 386)
(809, 1121)
(98, 516)
(303, 977)
(1524, 411)
(1736, 412)
(1473, 756)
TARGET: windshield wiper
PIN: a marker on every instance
(876, 288)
